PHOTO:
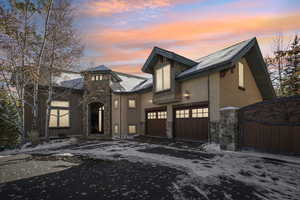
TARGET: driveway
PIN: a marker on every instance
(143, 169)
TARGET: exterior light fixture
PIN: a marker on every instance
(186, 94)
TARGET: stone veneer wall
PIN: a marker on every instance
(228, 128)
(97, 92)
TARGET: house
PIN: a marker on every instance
(182, 99)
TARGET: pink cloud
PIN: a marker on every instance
(108, 7)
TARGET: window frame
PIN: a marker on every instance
(116, 126)
(162, 79)
(135, 128)
(97, 77)
(58, 116)
(116, 101)
(241, 75)
(134, 100)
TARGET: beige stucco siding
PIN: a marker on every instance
(231, 95)
(197, 89)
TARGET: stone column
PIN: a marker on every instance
(169, 121)
(228, 128)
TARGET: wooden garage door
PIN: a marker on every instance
(156, 122)
(191, 123)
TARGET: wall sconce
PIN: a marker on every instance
(150, 100)
(186, 94)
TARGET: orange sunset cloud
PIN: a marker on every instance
(107, 7)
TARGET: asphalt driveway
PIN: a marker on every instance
(144, 170)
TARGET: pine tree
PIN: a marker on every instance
(9, 121)
(291, 82)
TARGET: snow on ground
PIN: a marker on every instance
(49, 145)
(271, 179)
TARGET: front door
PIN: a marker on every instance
(156, 120)
(96, 118)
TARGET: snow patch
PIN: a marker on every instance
(211, 147)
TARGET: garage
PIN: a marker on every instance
(191, 122)
(156, 120)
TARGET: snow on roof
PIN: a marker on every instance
(128, 82)
(215, 58)
(98, 68)
(144, 85)
(69, 80)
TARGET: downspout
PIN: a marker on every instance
(208, 96)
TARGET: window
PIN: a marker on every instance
(182, 113)
(199, 112)
(151, 115)
(59, 114)
(131, 103)
(97, 77)
(163, 78)
(132, 129)
(241, 75)
(162, 115)
(116, 128)
(116, 104)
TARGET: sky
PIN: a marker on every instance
(122, 33)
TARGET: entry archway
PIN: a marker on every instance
(96, 118)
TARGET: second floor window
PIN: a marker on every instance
(59, 114)
(97, 77)
(163, 78)
(241, 75)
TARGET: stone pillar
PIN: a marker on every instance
(228, 128)
(169, 121)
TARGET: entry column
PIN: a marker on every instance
(169, 121)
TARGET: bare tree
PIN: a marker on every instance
(63, 50)
(276, 63)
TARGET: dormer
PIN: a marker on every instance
(164, 66)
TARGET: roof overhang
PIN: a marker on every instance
(152, 59)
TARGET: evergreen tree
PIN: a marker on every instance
(291, 81)
(9, 121)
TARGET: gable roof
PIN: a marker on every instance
(220, 58)
(150, 62)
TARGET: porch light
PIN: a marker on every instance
(186, 94)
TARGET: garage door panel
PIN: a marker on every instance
(156, 123)
(191, 123)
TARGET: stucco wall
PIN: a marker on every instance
(197, 89)
(231, 95)
(123, 115)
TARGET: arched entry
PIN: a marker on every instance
(96, 118)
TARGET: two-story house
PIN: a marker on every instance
(182, 99)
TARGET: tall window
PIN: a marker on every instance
(131, 103)
(241, 75)
(116, 104)
(163, 78)
(116, 128)
(59, 114)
